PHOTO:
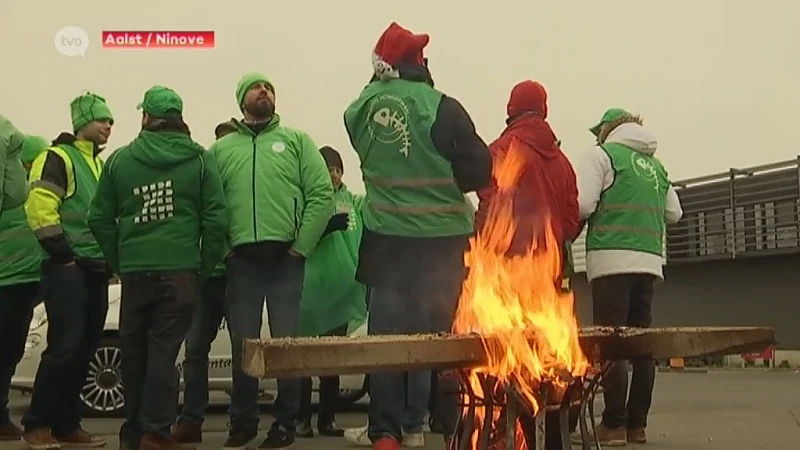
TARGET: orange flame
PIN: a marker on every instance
(518, 302)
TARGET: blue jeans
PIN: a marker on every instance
(16, 312)
(76, 302)
(423, 308)
(249, 284)
(205, 325)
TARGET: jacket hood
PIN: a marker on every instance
(527, 97)
(634, 136)
(11, 138)
(164, 149)
(536, 134)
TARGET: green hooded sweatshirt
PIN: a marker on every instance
(276, 184)
(14, 185)
(158, 198)
(21, 255)
(331, 295)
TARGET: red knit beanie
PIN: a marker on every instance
(397, 45)
(527, 96)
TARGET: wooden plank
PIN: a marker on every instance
(296, 357)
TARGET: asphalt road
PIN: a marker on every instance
(732, 410)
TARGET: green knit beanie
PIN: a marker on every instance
(87, 108)
(247, 82)
(32, 146)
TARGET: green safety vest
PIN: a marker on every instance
(630, 214)
(410, 187)
(75, 208)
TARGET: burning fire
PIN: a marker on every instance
(529, 329)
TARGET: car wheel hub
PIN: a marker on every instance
(102, 391)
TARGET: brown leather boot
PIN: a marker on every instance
(10, 432)
(79, 438)
(41, 439)
(187, 432)
(152, 441)
(637, 435)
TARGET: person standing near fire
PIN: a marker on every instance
(74, 274)
(160, 217)
(280, 199)
(206, 322)
(333, 301)
(547, 187)
(419, 154)
(20, 270)
(626, 197)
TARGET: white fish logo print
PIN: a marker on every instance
(389, 122)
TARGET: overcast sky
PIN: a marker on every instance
(716, 80)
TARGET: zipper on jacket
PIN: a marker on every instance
(296, 220)
(255, 222)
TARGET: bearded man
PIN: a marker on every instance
(280, 198)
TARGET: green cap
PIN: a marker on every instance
(32, 146)
(247, 82)
(161, 101)
(609, 116)
(88, 107)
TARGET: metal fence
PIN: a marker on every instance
(739, 213)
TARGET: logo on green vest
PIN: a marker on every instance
(389, 122)
(644, 168)
(157, 201)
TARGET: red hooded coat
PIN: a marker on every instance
(547, 183)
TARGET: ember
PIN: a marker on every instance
(513, 299)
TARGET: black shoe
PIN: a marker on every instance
(436, 427)
(304, 429)
(330, 429)
(278, 437)
(239, 437)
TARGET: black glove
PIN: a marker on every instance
(338, 222)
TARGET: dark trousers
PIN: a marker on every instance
(205, 325)
(249, 283)
(423, 308)
(155, 314)
(626, 300)
(328, 393)
(16, 312)
(76, 302)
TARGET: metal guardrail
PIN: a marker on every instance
(739, 213)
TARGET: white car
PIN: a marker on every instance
(102, 393)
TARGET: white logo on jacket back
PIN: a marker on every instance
(157, 199)
(388, 122)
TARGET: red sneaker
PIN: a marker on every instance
(386, 443)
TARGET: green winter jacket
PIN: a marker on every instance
(21, 255)
(14, 185)
(276, 184)
(159, 205)
(331, 295)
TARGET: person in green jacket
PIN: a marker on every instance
(14, 183)
(206, 324)
(75, 274)
(333, 301)
(160, 217)
(280, 199)
(419, 155)
(20, 268)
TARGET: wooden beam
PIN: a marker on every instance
(296, 357)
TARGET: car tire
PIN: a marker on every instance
(102, 393)
(347, 397)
